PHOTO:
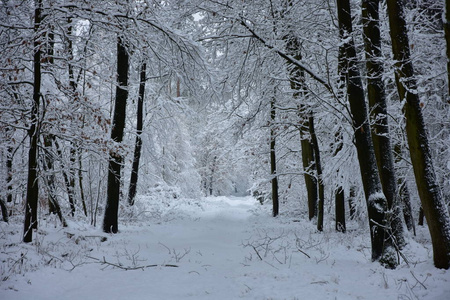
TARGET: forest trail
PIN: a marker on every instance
(223, 248)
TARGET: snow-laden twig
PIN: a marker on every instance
(129, 268)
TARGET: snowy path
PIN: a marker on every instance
(207, 243)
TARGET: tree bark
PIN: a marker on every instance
(378, 113)
(376, 201)
(430, 194)
(110, 220)
(53, 204)
(273, 160)
(297, 82)
(9, 171)
(315, 144)
(340, 209)
(138, 142)
(31, 204)
(4, 210)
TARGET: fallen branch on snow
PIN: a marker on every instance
(105, 262)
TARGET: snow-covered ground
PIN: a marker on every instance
(213, 248)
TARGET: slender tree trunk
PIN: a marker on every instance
(110, 220)
(309, 166)
(31, 204)
(315, 143)
(9, 171)
(376, 201)
(273, 160)
(67, 178)
(297, 82)
(80, 183)
(138, 142)
(404, 195)
(53, 204)
(378, 108)
(340, 209)
(430, 194)
(4, 210)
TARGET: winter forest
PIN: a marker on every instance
(212, 149)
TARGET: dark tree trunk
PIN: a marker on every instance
(110, 222)
(315, 144)
(375, 199)
(31, 204)
(309, 166)
(379, 116)
(80, 183)
(297, 82)
(4, 210)
(430, 194)
(273, 160)
(421, 217)
(340, 210)
(138, 142)
(9, 171)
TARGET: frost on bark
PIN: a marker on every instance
(31, 203)
(379, 117)
(138, 142)
(382, 249)
(110, 222)
(430, 194)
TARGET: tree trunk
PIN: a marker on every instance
(110, 220)
(9, 171)
(430, 194)
(352, 202)
(404, 195)
(67, 179)
(309, 166)
(138, 142)
(297, 82)
(340, 210)
(80, 183)
(31, 204)
(53, 204)
(376, 201)
(379, 116)
(273, 160)
(315, 144)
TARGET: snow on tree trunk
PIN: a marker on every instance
(31, 204)
(378, 109)
(376, 201)
(138, 142)
(430, 194)
(110, 222)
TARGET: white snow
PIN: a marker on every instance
(224, 247)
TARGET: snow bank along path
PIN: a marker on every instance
(225, 248)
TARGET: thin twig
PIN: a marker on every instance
(105, 262)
